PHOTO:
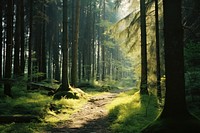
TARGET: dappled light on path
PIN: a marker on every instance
(92, 117)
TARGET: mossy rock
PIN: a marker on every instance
(74, 93)
(65, 94)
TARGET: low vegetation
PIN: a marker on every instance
(130, 112)
(35, 103)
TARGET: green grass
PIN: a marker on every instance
(35, 103)
(131, 112)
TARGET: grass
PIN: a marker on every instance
(131, 112)
(36, 103)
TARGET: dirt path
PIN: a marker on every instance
(91, 118)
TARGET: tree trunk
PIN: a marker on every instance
(9, 46)
(175, 117)
(22, 65)
(30, 43)
(17, 40)
(103, 45)
(1, 33)
(143, 84)
(98, 47)
(75, 47)
(157, 50)
(65, 85)
(175, 104)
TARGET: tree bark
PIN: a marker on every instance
(22, 65)
(103, 45)
(9, 46)
(75, 47)
(143, 84)
(1, 33)
(17, 40)
(65, 85)
(175, 103)
(30, 43)
(157, 51)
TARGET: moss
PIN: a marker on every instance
(74, 93)
(65, 94)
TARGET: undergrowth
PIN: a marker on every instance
(36, 103)
(130, 112)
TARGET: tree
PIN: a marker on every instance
(75, 46)
(22, 63)
(103, 45)
(18, 39)
(157, 51)
(9, 46)
(30, 42)
(65, 85)
(1, 33)
(175, 116)
(143, 84)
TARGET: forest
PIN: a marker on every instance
(100, 66)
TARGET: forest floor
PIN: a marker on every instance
(91, 118)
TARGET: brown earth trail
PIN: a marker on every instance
(91, 118)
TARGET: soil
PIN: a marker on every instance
(91, 118)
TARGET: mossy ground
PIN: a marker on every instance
(129, 112)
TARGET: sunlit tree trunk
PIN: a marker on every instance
(65, 85)
(75, 46)
(98, 46)
(157, 50)
(143, 84)
(103, 45)
(93, 42)
(9, 46)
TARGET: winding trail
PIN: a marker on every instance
(91, 118)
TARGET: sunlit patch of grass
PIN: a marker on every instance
(63, 108)
(123, 98)
(130, 113)
(37, 104)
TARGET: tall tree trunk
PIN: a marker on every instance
(22, 65)
(157, 50)
(42, 67)
(93, 43)
(98, 46)
(1, 39)
(56, 58)
(65, 85)
(175, 117)
(30, 42)
(143, 84)
(9, 46)
(103, 45)
(175, 104)
(75, 47)
(17, 45)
